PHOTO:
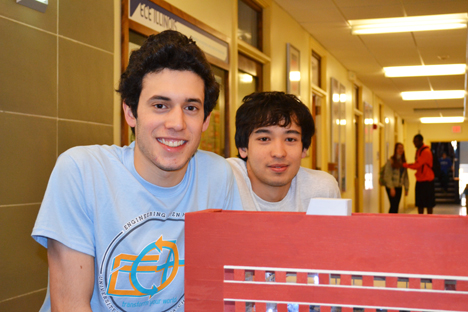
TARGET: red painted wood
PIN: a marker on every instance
(304, 308)
(302, 278)
(462, 286)
(260, 307)
(415, 283)
(368, 281)
(345, 279)
(282, 307)
(324, 279)
(438, 284)
(391, 281)
(357, 296)
(259, 276)
(402, 244)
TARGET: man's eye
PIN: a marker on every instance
(263, 139)
(191, 108)
(159, 105)
(291, 140)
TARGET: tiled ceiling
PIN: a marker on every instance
(326, 21)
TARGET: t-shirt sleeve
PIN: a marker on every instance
(233, 200)
(65, 215)
(334, 189)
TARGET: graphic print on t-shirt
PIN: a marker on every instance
(143, 268)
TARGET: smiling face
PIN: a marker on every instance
(169, 125)
(400, 149)
(274, 156)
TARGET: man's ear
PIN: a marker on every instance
(243, 152)
(304, 153)
(131, 120)
(206, 123)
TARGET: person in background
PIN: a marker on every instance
(445, 167)
(113, 218)
(273, 132)
(396, 177)
(425, 197)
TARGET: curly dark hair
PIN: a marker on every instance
(172, 50)
(264, 109)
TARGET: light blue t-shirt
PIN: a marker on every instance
(97, 204)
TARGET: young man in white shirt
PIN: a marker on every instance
(273, 132)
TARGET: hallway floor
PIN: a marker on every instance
(441, 209)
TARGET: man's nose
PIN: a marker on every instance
(278, 149)
(176, 119)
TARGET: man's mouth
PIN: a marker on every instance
(278, 168)
(171, 143)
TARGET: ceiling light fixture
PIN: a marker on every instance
(407, 24)
(433, 95)
(425, 70)
(430, 120)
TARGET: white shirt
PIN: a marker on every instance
(305, 185)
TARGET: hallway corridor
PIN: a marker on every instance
(441, 209)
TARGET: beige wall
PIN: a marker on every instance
(214, 13)
(286, 30)
(56, 86)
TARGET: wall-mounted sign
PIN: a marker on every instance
(456, 129)
(159, 19)
(38, 5)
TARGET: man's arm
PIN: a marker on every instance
(71, 278)
(423, 159)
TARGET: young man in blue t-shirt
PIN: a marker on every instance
(112, 217)
(445, 167)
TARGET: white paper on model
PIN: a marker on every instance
(329, 207)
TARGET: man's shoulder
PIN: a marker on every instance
(316, 183)
(94, 150)
(236, 162)
(90, 155)
(308, 173)
(426, 149)
(210, 161)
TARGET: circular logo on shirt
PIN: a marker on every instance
(143, 268)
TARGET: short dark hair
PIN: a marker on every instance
(264, 109)
(172, 50)
(419, 137)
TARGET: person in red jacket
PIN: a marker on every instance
(424, 175)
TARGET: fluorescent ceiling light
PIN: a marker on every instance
(425, 70)
(406, 24)
(442, 119)
(433, 95)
